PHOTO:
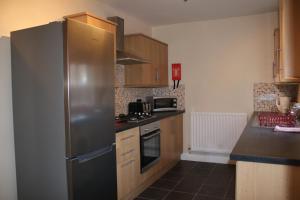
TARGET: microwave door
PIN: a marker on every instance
(165, 104)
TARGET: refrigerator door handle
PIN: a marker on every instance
(93, 155)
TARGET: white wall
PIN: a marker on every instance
(19, 14)
(221, 61)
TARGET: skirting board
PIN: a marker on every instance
(206, 157)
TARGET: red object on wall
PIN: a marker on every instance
(176, 72)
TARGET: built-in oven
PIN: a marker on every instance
(150, 145)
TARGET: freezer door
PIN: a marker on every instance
(89, 89)
(93, 176)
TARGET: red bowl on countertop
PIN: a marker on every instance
(271, 119)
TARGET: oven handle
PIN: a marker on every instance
(151, 136)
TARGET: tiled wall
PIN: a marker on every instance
(125, 95)
(265, 95)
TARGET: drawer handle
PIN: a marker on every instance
(128, 152)
(128, 137)
(128, 163)
(151, 136)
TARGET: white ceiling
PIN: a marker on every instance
(162, 12)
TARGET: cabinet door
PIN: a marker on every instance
(170, 141)
(139, 75)
(128, 161)
(155, 56)
(166, 142)
(127, 180)
(289, 41)
(163, 65)
(179, 135)
(153, 74)
(276, 61)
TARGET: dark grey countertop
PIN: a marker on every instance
(266, 146)
(158, 116)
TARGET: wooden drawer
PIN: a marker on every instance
(127, 145)
(128, 162)
(127, 177)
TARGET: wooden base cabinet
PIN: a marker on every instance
(261, 181)
(131, 182)
(171, 140)
(128, 162)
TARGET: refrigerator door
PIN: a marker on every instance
(89, 88)
(93, 176)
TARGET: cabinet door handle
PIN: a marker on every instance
(277, 54)
(151, 136)
(274, 70)
(276, 63)
(128, 163)
(157, 75)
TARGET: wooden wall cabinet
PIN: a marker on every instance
(152, 74)
(95, 21)
(288, 52)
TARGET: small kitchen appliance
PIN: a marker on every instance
(133, 118)
(139, 108)
(162, 104)
(283, 104)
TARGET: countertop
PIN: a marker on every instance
(158, 116)
(266, 146)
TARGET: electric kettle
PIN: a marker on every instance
(283, 104)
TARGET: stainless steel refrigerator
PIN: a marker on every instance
(63, 106)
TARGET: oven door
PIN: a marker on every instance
(150, 149)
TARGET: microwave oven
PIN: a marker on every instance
(162, 104)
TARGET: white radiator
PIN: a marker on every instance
(216, 132)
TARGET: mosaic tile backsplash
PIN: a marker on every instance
(265, 95)
(125, 95)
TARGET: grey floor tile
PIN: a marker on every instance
(189, 184)
(179, 196)
(202, 197)
(213, 191)
(194, 181)
(164, 184)
(155, 194)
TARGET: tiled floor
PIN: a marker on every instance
(194, 181)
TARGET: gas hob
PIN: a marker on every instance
(134, 118)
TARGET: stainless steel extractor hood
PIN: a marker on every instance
(124, 58)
